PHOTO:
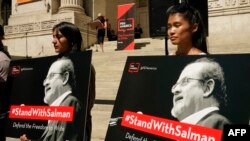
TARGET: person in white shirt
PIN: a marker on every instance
(199, 93)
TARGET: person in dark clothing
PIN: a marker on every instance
(101, 31)
(108, 29)
(138, 31)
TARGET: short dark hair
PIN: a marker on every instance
(101, 18)
(72, 33)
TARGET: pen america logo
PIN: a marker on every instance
(135, 67)
(126, 24)
(16, 70)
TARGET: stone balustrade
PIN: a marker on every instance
(71, 5)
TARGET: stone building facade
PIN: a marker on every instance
(229, 22)
(28, 27)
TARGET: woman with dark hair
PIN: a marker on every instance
(67, 39)
(186, 30)
(72, 41)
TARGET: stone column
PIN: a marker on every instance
(71, 5)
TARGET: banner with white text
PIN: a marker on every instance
(125, 23)
(48, 97)
(187, 98)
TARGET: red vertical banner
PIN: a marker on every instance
(125, 23)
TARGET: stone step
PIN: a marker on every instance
(100, 120)
(109, 68)
(107, 93)
(109, 77)
(107, 84)
(112, 46)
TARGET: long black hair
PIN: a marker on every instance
(194, 17)
(1, 43)
(72, 33)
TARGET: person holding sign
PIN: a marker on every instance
(200, 93)
(186, 30)
(67, 39)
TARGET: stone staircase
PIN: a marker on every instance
(109, 66)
